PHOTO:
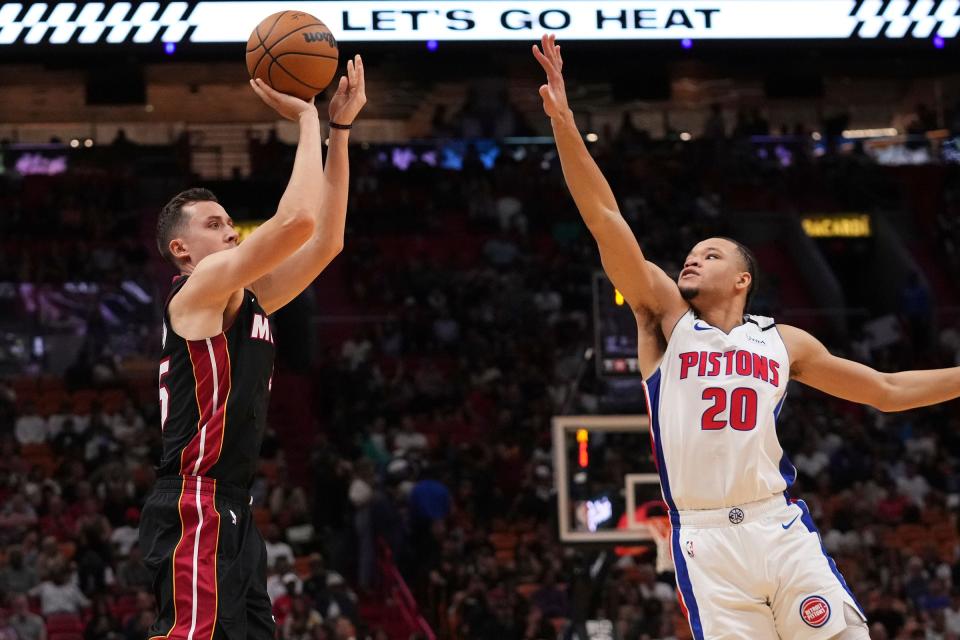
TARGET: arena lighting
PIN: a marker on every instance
(686, 43)
(685, 136)
(207, 21)
(432, 45)
(245, 228)
(170, 48)
(592, 137)
(842, 225)
(938, 42)
(869, 133)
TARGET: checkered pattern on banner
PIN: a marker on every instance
(87, 23)
(900, 18)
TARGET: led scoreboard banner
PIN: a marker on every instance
(38, 24)
(615, 331)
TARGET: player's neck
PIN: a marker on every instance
(723, 317)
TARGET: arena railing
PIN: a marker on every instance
(396, 586)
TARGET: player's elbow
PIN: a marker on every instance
(885, 395)
(299, 226)
(334, 245)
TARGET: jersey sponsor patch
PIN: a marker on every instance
(815, 611)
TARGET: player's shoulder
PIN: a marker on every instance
(765, 323)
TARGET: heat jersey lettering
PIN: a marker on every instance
(260, 329)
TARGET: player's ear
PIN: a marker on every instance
(178, 248)
(743, 282)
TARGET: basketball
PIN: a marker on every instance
(294, 53)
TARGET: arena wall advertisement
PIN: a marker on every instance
(208, 22)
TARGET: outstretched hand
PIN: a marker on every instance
(554, 93)
(351, 93)
(290, 107)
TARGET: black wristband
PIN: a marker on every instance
(335, 125)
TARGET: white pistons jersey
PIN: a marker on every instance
(713, 404)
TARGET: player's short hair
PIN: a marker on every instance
(750, 262)
(170, 222)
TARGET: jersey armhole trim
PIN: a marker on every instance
(786, 350)
(660, 360)
(223, 331)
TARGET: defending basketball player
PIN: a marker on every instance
(196, 531)
(748, 559)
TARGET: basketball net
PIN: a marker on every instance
(660, 529)
(653, 515)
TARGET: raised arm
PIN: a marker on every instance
(646, 288)
(813, 365)
(293, 275)
(221, 274)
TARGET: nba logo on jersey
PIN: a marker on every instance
(815, 611)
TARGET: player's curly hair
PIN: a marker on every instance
(750, 262)
(170, 222)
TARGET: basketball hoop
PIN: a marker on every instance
(654, 516)
(660, 529)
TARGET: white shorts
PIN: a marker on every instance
(758, 571)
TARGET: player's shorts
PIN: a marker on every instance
(208, 561)
(758, 571)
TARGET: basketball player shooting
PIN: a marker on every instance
(197, 535)
(748, 559)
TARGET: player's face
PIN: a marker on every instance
(209, 230)
(712, 268)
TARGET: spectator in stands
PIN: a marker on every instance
(68, 441)
(59, 594)
(57, 521)
(550, 599)
(16, 517)
(17, 577)
(49, 557)
(102, 624)
(361, 492)
(7, 632)
(344, 629)
(912, 485)
(28, 625)
(301, 620)
(132, 574)
(64, 413)
(128, 425)
(276, 547)
(30, 427)
(339, 601)
(124, 537)
(282, 582)
(407, 438)
(284, 589)
(138, 626)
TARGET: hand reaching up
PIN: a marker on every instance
(554, 93)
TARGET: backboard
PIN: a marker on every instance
(604, 473)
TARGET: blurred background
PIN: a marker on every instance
(408, 486)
